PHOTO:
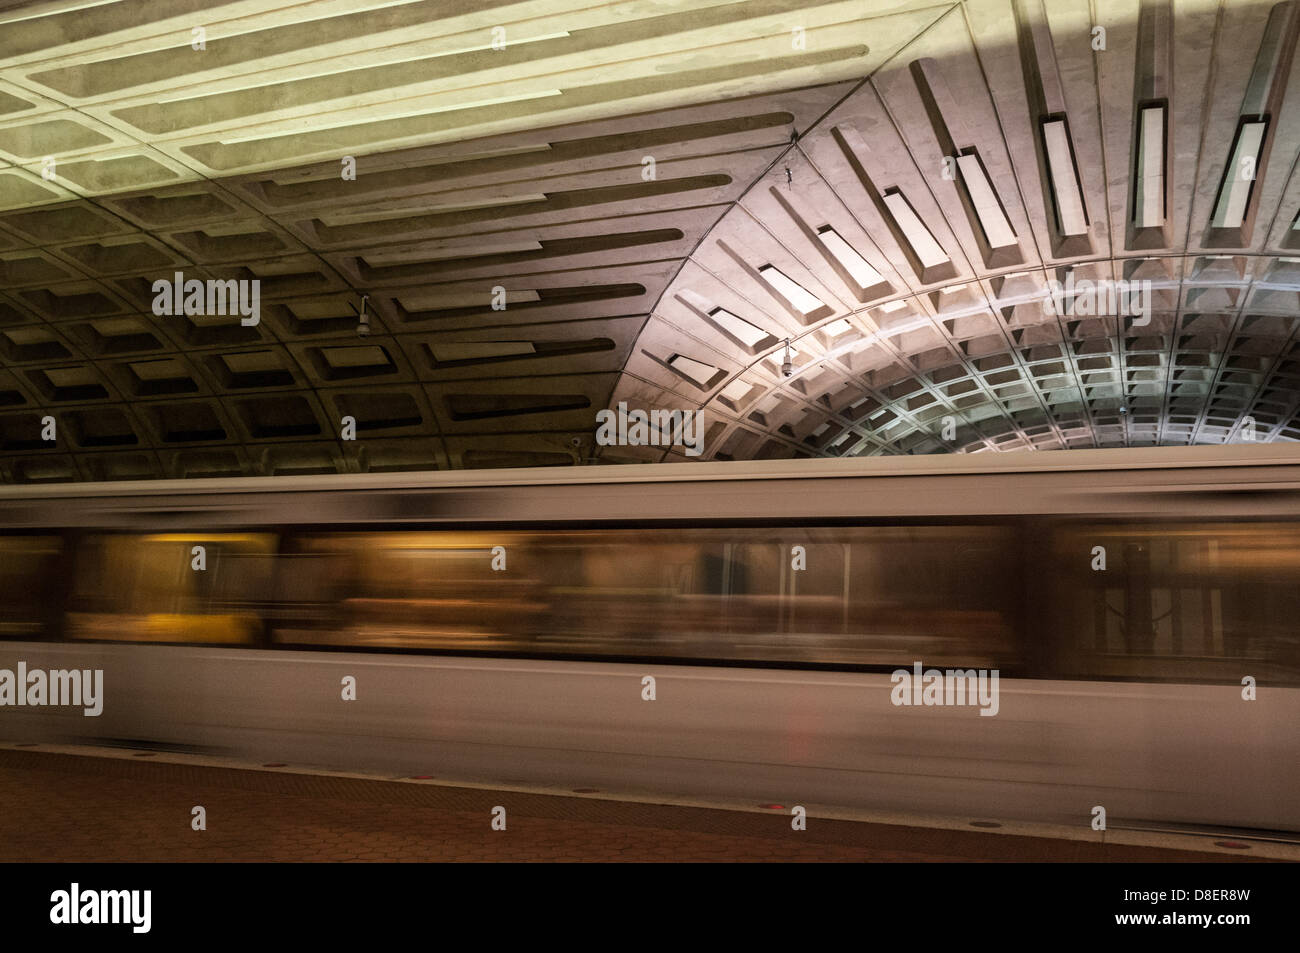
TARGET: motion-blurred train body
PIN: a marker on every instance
(1139, 606)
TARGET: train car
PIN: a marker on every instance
(758, 631)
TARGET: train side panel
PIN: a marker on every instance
(1194, 754)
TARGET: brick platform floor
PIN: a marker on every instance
(58, 807)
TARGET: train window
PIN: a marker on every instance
(862, 595)
(148, 588)
(1178, 602)
(406, 590)
(29, 575)
(951, 594)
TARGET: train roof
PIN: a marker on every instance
(1134, 458)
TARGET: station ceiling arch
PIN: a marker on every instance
(665, 196)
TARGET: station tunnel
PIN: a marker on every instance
(886, 410)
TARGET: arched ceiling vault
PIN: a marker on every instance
(667, 193)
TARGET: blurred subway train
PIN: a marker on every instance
(499, 626)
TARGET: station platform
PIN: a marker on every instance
(61, 804)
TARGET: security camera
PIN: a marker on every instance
(575, 442)
(787, 369)
(363, 319)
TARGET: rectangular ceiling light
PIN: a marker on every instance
(929, 251)
(859, 268)
(1071, 218)
(740, 329)
(1149, 178)
(997, 229)
(697, 372)
(799, 297)
(889, 307)
(479, 350)
(836, 328)
(1230, 210)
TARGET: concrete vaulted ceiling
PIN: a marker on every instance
(668, 193)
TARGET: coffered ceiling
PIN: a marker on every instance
(662, 195)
